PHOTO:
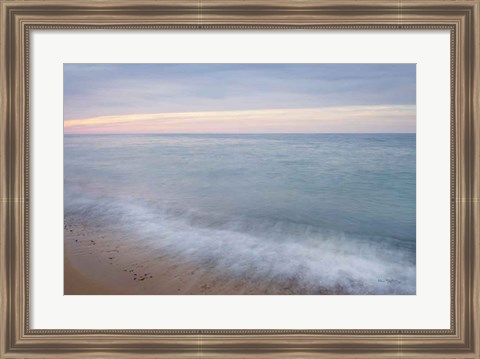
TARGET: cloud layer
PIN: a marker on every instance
(363, 119)
(118, 98)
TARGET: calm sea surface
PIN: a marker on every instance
(328, 210)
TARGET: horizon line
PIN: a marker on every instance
(238, 133)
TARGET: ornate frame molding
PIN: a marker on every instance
(19, 18)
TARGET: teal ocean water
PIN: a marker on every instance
(332, 212)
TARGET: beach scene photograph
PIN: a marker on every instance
(239, 179)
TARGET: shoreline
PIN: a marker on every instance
(99, 261)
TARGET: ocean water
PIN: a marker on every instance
(333, 212)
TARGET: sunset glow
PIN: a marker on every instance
(239, 98)
(319, 120)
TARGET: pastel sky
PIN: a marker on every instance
(239, 98)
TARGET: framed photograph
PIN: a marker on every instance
(249, 179)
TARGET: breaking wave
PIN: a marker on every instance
(264, 249)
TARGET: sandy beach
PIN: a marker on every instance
(99, 262)
(75, 283)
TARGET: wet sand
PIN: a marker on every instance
(75, 283)
(100, 261)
